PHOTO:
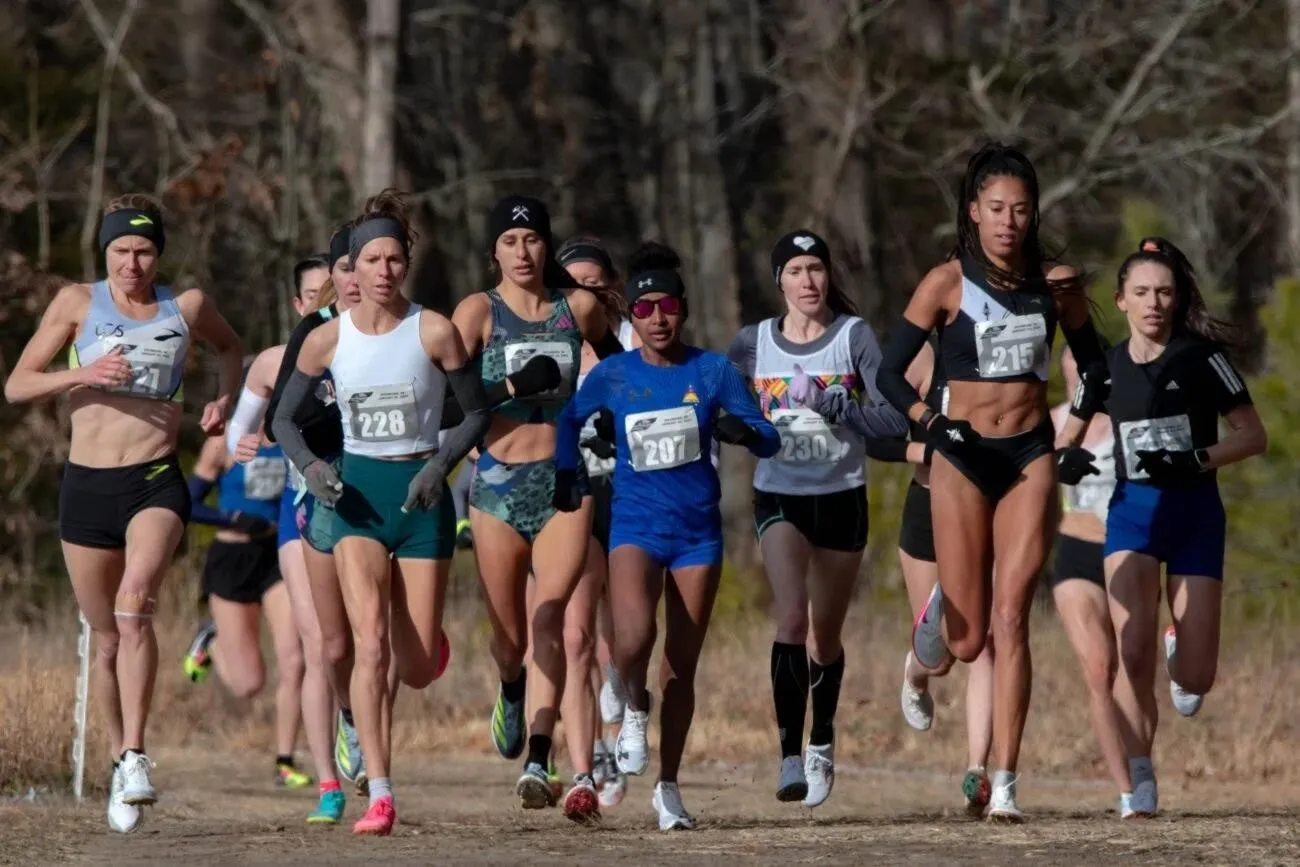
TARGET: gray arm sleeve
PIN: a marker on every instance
(467, 386)
(743, 353)
(287, 433)
(872, 416)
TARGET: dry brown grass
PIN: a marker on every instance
(1246, 730)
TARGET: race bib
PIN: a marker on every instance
(1173, 433)
(1093, 493)
(520, 353)
(383, 414)
(264, 478)
(663, 439)
(597, 466)
(1011, 346)
(806, 437)
(151, 368)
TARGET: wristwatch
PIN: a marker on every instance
(1202, 458)
(926, 417)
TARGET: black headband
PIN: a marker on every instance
(519, 212)
(800, 242)
(131, 221)
(376, 227)
(340, 245)
(584, 252)
(662, 280)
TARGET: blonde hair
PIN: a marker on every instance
(139, 201)
(326, 296)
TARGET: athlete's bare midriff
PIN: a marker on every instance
(516, 442)
(1083, 525)
(110, 430)
(998, 409)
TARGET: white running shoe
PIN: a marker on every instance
(632, 749)
(1146, 798)
(927, 632)
(668, 803)
(611, 703)
(819, 770)
(1002, 803)
(918, 705)
(1186, 703)
(792, 785)
(122, 817)
(136, 788)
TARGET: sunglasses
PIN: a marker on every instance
(668, 304)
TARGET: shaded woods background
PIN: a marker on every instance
(715, 125)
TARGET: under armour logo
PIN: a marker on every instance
(803, 242)
(519, 213)
(644, 282)
(955, 436)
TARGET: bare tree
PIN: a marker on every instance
(383, 29)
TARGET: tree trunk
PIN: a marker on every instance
(1293, 138)
(379, 154)
(196, 44)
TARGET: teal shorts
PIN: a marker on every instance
(371, 506)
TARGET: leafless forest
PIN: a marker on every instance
(715, 125)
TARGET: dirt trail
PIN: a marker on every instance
(219, 808)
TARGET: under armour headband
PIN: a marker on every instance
(800, 242)
(376, 227)
(131, 221)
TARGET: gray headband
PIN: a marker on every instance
(376, 227)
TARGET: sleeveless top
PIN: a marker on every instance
(816, 457)
(389, 392)
(998, 336)
(155, 348)
(254, 488)
(596, 466)
(515, 340)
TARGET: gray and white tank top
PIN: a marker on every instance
(155, 348)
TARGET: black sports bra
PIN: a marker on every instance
(998, 336)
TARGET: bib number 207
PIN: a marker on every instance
(663, 451)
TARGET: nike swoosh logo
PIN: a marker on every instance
(155, 471)
(170, 334)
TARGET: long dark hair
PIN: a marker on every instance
(997, 160)
(1191, 315)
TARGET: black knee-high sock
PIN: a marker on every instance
(825, 690)
(790, 694)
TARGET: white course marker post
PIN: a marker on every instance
(83, 693)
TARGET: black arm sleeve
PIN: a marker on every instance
(467, 387)
(1085, 344)
(887, 450)
(288, 365)
(296, 391)
(904, 344)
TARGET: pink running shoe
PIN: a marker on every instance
(378, 820)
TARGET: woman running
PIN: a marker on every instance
(921, 576)
(316, 279)
(587, 635)
(814, 372)
(665, 402)
(391, 363)
(241, 579)
(533, 312)
(123, 502)
(996, 305)
(1169, 383)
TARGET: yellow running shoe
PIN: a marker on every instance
(289, 777)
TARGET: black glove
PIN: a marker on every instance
(1163, 465)
(599, 447)
(253, 525)
(1073, 463)
(567, 497)
(425, 490)
(731, 430)
(1092, 392)
(323, 483)
(604, 425)
(540, 373)
(951, 435)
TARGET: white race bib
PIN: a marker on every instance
(264, 478)
(663, 439)
(806, 437)
(381, 414)
(1173, 433)
(597, 466)
(151, 366)
(519, 353)
(1012, 346)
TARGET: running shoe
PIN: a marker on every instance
(464, 535)
(289, 777)
(349, 761)
(1002, 804)
(198, 659)
(581, 804)
(791, 786)
(534, 788)
(122, 817)
(136, 788)
(330, 809)
(667, 802)
(1146, 798)
(819, 770)
(918, 704)
(976, 790)
(378, 820)
(611, 703)
(927, 632)
(509, 729)
(1186, 703)
(553, 779)
(632, 749)
(611, 783)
